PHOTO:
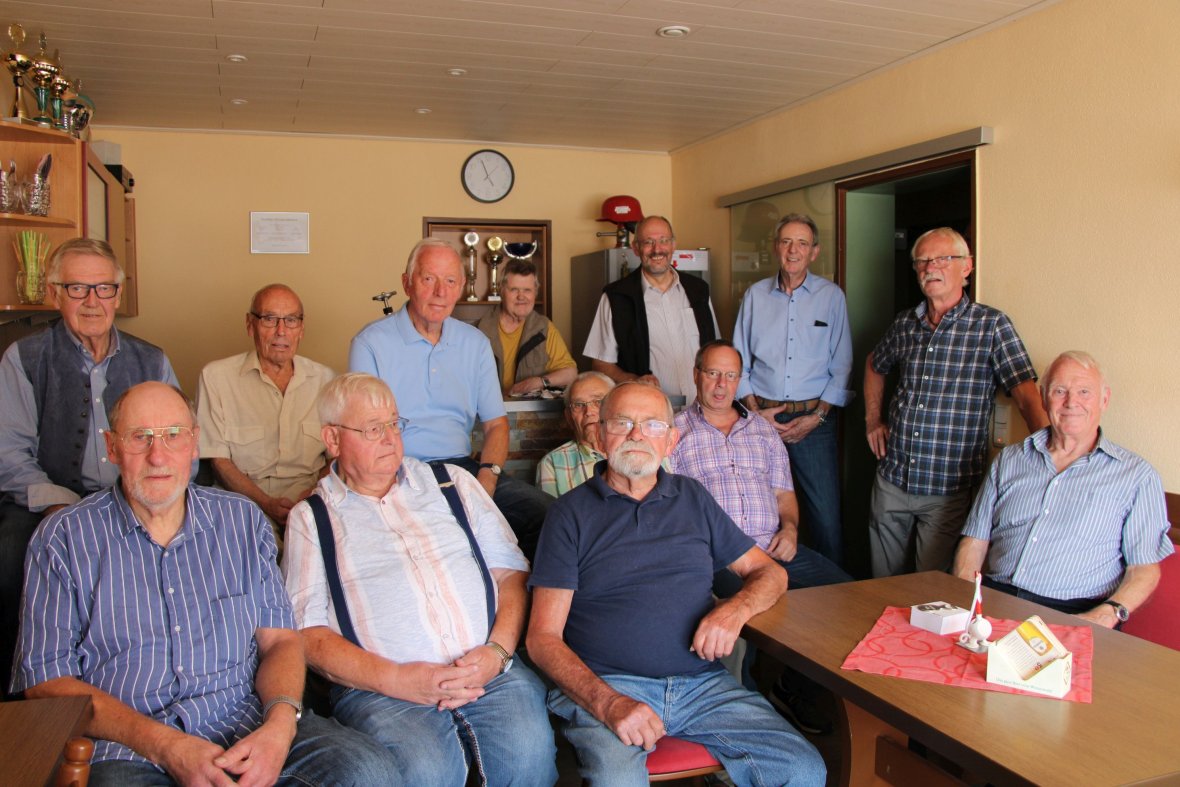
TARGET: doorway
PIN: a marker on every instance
(878, 218)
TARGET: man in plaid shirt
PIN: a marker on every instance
(952, 354)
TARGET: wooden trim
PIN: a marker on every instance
(1172, 506)
(932, 148)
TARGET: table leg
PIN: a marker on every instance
(877, 754)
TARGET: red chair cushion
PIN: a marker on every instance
(1159, 619)
(673, 754)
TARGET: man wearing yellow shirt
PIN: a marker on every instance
(530, 353)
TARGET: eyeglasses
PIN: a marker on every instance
(374, 432)
(650, 427)
(271, 320)
(647, 243)
(139, 441)
(803, 244)
(712, 375)
(80, 292)
(938, 262)
(578, 407)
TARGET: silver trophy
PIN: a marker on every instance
(495, 245)
(470, 239)
(520, 251)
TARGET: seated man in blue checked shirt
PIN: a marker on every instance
(417, 613)
(161, 601)
(1067, 518)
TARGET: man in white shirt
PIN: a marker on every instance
(650, 324)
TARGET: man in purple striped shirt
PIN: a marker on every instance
(162, 602)
(1067, 518)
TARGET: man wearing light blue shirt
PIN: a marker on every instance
(1067, 518)
(443, 375)
(792, 331)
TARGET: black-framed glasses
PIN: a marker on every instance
(271, 320)
(139, 440)
(578, 406)
(712, 375)
(80, 292)
(652, 427)
(939, 262)
(374, 432)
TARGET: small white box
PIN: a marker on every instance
(939, 617)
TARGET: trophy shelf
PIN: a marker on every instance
(539, 231)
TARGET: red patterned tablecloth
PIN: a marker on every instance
(897, 649)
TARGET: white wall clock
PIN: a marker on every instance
(487, 175)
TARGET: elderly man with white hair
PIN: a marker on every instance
(409, 591)
(1067, 518)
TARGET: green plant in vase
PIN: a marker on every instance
(31, 250)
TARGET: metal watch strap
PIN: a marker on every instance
(283, 699)
(505, 656)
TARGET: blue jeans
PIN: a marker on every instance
(523, 505)
(816, 472)
(505, 734)
(323, 753)
(738, 727)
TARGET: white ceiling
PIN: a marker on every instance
(543, 72)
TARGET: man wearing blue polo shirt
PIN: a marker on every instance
(625, 623)
(1067, 518)
(443, 375)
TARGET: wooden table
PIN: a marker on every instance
(33, 735)
(1127, 734)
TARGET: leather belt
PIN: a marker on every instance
(788, 407)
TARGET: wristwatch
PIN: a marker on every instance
(283, 699)
(1120, 612)
(505, 657)
(495, 468)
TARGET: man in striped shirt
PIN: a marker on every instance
(161, 601)
(1067, 518)
(422, 664)
(571, 463)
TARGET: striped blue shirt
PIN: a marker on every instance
(168, 631)
(938, 418)
(1069, 535)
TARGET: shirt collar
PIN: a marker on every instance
(409, 334)
(776, 283)
(335, 491)
(196, 517)
(955, 312)
(86, 353)
(647, 285)
(1039, 441)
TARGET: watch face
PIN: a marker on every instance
(488, 176)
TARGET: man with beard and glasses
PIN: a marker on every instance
(625, 623)
(162, 602)
(649, 325)
(952, 354)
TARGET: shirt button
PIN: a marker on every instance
(97, 400)
(929, 349)
(1046, 510)
(176, 629)
(103, 460)
(926, 377)
(915, 434)
(171, 591)
(180, 669)
(921, 407)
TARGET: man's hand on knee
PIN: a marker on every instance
(189, 760)
(441, 685)
(634, 722)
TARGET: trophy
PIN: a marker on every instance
(18, 64)
(470, 239)
(520, 251)
(59, 89)
(42, 71)
(494, 259)
(80, 109)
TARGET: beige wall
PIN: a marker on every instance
(194, 193)
(1078, 196)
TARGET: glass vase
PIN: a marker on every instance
(30, 288)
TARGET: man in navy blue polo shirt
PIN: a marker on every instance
(625, 623)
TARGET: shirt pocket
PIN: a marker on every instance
(245, 447)
(313, 435)
(233, 631)
(814, 341)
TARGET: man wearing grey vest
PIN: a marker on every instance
(54, 386)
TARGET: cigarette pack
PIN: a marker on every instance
(939, 617)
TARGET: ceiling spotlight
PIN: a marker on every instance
(457, 72)
(673, 31)
(423, 110)
(236, 58)
(237, 102)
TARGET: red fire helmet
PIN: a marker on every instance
(621, 209)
